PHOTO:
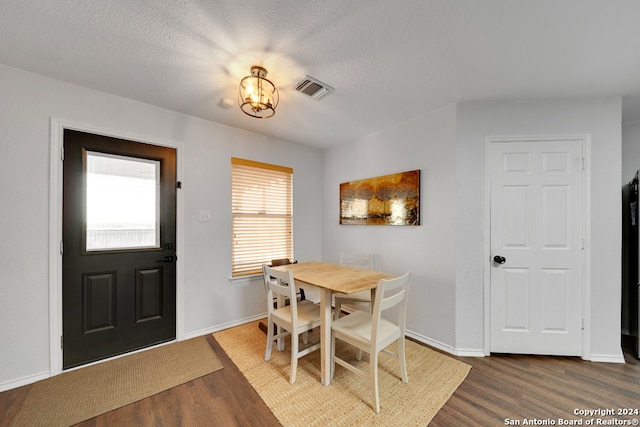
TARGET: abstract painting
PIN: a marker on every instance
(385, 200)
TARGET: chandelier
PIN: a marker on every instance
(257, 96)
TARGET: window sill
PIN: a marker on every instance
(244, 279)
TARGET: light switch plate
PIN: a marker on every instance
(204, 216)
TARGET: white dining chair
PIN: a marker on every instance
(360, 299)
(294, 319)
(301, 296)
(372, 333)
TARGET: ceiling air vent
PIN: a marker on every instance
(312, 87)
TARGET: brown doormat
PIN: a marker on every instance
(433, 378)
(75, 396)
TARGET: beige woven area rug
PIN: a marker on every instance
(78, 395)
(433, 377)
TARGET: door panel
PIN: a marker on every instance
(556, 216)
(98, 302)
(119, 233)
(516, 206)
(149, 294)
(516, 299)
(555, 287)
(536, 225)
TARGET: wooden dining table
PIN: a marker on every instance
(327, 279)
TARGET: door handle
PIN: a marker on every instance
(499, 259)
(168, 258)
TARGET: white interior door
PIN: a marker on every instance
(536, 261)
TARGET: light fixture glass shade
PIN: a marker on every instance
(257, 96)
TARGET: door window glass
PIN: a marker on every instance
(122, 197)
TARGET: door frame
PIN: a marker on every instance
(586, 231)
(57, 127)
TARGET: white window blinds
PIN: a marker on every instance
(262, 215)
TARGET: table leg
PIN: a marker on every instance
(373, 298)
(325, 336)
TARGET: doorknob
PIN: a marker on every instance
(499, 259)
(168, 258)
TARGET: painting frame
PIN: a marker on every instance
(392, 199)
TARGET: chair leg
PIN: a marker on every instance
(270, 333)
(280, 341)
(402, 359)
(333, 355)
(305, 337)
(336, 309)
(373, 380)
(294, 357)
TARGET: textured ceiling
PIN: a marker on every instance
(389, 61)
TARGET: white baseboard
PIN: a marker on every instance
(223, 326)
(608, 358)
(445, 347)
(30, 379)
(469, 352)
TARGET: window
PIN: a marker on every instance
(122, 196)
(262, 215)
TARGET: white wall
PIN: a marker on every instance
(444, 252)
(630, 150)
(601, 118)
(426, 143)
(27, 104)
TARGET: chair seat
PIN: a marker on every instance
(357, 326)
(308, 314)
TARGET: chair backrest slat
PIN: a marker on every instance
(362, 261)
(280, 282)
(393, 300)
(281, 261)
(391, 293)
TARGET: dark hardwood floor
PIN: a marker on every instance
(498, 389)
(507, 389)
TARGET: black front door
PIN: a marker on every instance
(119, 234)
